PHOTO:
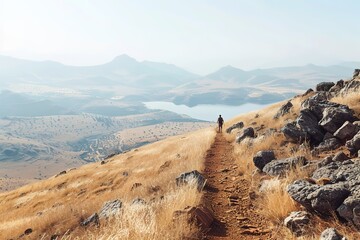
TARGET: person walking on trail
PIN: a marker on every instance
(220, 121)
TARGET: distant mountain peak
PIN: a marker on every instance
(124, 58)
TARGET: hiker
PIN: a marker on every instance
(220, 121)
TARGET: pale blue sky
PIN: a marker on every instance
(198, 35)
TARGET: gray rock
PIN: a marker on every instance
(351, 86)
(308, 92)
(346, 132)
(317, 103)
(340, 157)
(284, 109)
(350, 210)
(327, 160)
(299, 191)
(334, 117)
(247, 132)
(94, 219)
(189, 177)
(238, 125)
(328, 198)
(262, 158)
(327, 145)
(110, 208)
(328, 136)
(280, 167)
(324, 86)
(293, 133)
(298, 222)
(354, 144)
(331, 234)
(307, 122)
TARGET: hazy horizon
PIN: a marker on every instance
(200, 36)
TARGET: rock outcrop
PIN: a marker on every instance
(246, 133)
(280, 167)
(238, 125)
(298, 223)
(262, 158)
(284, 109)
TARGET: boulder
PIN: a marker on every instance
(324, 86)
(354, 144)
(299, 191)
(331, 234)
(317, 103)
(321, 199)
(238, 125)
(262, 158)
(110, 208)
(350, 210)
(328, 198)
(93, 219)
(201, 215)
(347, 131)
(298, 222)
(293, 134)
(328, 136)
(327, 145)
(189, 177)
(350, 86)
(307, 122)
(284, 109)
(247, 132)
(280, 167)
(334, 117)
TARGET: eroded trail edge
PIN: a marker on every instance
(228, 194)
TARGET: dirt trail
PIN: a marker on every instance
(228, 194)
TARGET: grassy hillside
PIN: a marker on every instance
(57, 206)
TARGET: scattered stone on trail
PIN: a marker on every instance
(247, 132)
(293, 133)
(125, 174)
(284, 109)
(298, 223)
(136, 185)
(201, 215)
(280, 167)
(262, 158)
(60, 173)
(93, 219)
(307, 122)
(327, 145)
(331, 234)
(238, 125)
(110, 208)
(189, 177)
(324, 86)
(334, 117)
(354, 144)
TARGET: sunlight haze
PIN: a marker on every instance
(200, 36)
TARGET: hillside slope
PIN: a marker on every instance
(249, 193)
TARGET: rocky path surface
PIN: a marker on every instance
(228, 195)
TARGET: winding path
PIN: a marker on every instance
(228, 194)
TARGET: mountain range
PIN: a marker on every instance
(135, 82)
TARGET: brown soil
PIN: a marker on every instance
(229, 195)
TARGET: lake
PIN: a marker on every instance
(205, 112)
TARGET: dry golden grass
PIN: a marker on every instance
(57, 205)
(274, 202)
